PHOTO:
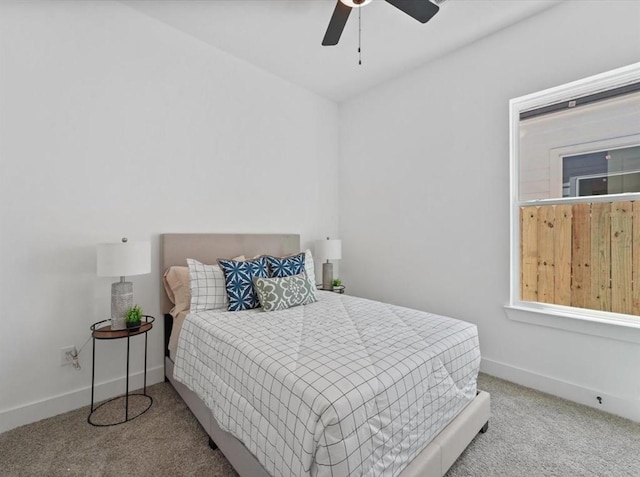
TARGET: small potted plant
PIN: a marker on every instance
(337, 283)
(134, 317)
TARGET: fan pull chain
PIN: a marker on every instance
(360, 36)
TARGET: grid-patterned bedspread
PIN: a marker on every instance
(344, 386)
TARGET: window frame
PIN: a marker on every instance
(595, 322)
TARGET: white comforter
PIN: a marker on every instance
(344, 386)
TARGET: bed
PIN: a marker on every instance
(360, 421)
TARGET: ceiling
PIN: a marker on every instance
(284, 36)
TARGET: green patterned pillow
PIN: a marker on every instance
(280, 293)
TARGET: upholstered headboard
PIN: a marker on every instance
(207, 248)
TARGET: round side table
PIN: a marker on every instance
(339, 289)
(102, 331)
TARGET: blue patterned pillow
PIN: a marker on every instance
(239, 277)
(286, 267)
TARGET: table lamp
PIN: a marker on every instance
(120, 260)
(328, 250)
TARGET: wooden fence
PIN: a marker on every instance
(585, 255)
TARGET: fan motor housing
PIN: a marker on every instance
(355, 3)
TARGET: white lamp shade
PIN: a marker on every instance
(124, 259)
(329, 249)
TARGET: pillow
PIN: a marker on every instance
(309, 268)
(176, 284)
(287, 266)
(239, 282)
(207, 285)
(280, 293)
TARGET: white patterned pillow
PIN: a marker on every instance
(279, 293)
(309, 268)
(208, 289)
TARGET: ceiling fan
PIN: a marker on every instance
(421, 10)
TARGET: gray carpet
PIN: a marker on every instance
(534, 434)
(530, 434)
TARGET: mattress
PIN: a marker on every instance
(344, 386)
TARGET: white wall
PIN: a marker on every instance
(113, 124)
(424, 191)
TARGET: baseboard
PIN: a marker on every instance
(627, 407)
(35, 411)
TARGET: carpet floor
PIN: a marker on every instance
(530, 434)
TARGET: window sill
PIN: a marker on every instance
(578, 322)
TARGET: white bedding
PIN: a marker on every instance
(344, 386)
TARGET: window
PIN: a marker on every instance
(601, 173)
(575, 187)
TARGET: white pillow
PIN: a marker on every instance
(208, 288)
(310, 268)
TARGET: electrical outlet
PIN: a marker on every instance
(65, 358)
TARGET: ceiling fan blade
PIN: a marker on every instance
(421, 10)
(336, 24)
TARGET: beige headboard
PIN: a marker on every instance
(207, 248)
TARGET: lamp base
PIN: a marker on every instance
(327, 276)
(121, 301)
